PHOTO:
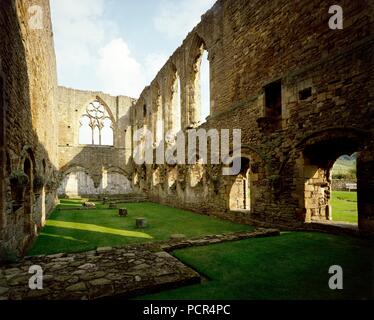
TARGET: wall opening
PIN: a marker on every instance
(240, 198)
(176, 112)
(77, 182)
(321, 200)
(344, 189)
(96, 126)
(199, 102)
(144, 111)
(158, 124)
(204, 87)
(305, 93)
(273, 100)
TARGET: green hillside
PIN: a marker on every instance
(345, 165)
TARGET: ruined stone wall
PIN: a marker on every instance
(93, 170)
(28, 122)
(326, 102)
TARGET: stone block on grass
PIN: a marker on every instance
(141, 223)
(123, 212)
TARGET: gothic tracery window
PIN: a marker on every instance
(96, 127)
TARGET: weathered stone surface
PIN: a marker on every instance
(89, 205)
(102, 279)
(92, 275)
(87, 266)
(3, 290)
(177, 237)
(81, 286)
(103, 249)
(287, 149)
(116, 271)
(100, 282)
(28, 83)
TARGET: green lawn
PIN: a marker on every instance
(83, 230)
(292, 266)
(344, 206)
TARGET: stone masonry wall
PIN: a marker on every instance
(326, 105)
(90, 169)
(28, 145)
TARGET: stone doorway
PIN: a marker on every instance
(344, 189)
(240, 198)
(318, 160)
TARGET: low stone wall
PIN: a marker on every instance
(215, 239)
(97, 274)
(340, 184)
(107, 272)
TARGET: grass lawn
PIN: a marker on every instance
(292, 266)
(83, 230)
(344, 206)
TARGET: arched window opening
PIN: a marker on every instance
(85, 131)
(107, 133)
(96, 127)
(144, 111)
(204, 87)
(176, 105)
(157, 117)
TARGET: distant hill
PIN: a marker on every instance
(345, 165)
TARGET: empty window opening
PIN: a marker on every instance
(157, 118)
(204, 87)
(305, 93)
(144, 110)
(96, 127)
(176, 105)
(273, 99)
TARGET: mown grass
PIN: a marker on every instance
(83, 230)
(294, 265)
(344, 206)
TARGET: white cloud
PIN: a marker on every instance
(79, 30)
(153, 64)
(91, 54)
(118, 72)
(178, 17)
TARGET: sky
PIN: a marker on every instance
(118, 46)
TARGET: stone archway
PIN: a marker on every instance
(318, 153)
(239, 196)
